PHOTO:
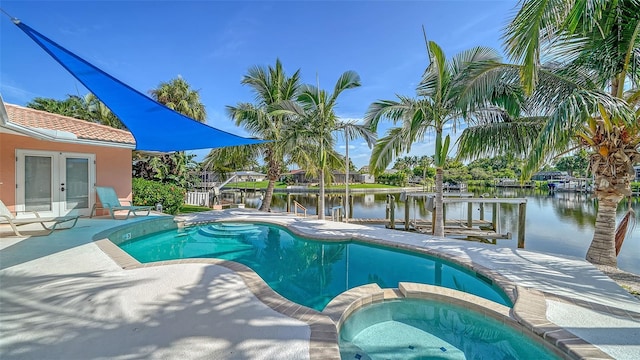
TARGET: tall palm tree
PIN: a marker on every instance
(177, 95)
(270, 86)
(578, 97)
(311, 135)
(178, 167)
(436, 106)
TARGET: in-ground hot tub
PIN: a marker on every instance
(428, 329)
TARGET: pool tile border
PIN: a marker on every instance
(528, 314)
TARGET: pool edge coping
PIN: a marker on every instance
(528, 312)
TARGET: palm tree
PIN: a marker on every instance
(100, 113)
(311, 134)
(436, 107)
(178, 95)
(88, 107)
(578, 96)
(271, 86)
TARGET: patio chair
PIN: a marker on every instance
(6, 217)
(110, 201)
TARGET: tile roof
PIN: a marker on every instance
(82, 129)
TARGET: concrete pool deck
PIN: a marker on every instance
(62, 296)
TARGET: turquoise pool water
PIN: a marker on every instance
(304, 271)
(423, 329)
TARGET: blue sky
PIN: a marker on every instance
(212, 44)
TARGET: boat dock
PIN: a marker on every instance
(469, 228)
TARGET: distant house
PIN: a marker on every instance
(248, 176)
(51, 163)
(637, 169)
(548, 175)
(300, 177)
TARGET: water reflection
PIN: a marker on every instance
(560, 223)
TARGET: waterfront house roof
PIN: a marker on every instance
(247, 173)
(53, 127)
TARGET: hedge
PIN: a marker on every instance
(147, 192)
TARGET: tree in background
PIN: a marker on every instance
(178, 95)
(310, 135)
(575, 165)
(88, 108)
(437, 105)
(223, 161)
(176, 168)
(270, 86)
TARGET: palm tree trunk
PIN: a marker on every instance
(613, 176)
(321, 197)
(266, 202)
(602, 250)
(273, 174)
(438, 227)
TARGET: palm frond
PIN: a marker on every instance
(494, 137)
(478, 54)
(536, 21)
(388, 109)
(437, 76)
(388, 148)
(348, 80)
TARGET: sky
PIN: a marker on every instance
(212, 45)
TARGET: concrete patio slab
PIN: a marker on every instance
(61, 297)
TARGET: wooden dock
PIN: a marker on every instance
(469, 228)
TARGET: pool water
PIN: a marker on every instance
(305, 271)
(424, 329)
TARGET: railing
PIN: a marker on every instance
(337, 213)
(296, 206)
(199, 198)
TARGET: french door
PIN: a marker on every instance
(54, 183)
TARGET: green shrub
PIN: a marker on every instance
(147, 192)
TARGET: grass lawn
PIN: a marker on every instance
(185, 209)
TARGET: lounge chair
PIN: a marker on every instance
(6, 217)
(110, 201)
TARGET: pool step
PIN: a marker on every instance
(226, 231)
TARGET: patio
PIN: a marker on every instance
(63, 296)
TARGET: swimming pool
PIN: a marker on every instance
(306, 271)
(426, 329)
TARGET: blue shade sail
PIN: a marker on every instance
(154, 126)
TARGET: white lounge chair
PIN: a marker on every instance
(6, 217)
(110, 201)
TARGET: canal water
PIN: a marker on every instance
(560, 223)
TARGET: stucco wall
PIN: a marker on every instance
(113, 165)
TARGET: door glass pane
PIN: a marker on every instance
(77, 186)
(37, 183)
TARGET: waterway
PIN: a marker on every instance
(561, 223)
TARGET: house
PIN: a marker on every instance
(637, 169)
(549, 175)
(300, 177)
(51, 163)
(241, 176)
